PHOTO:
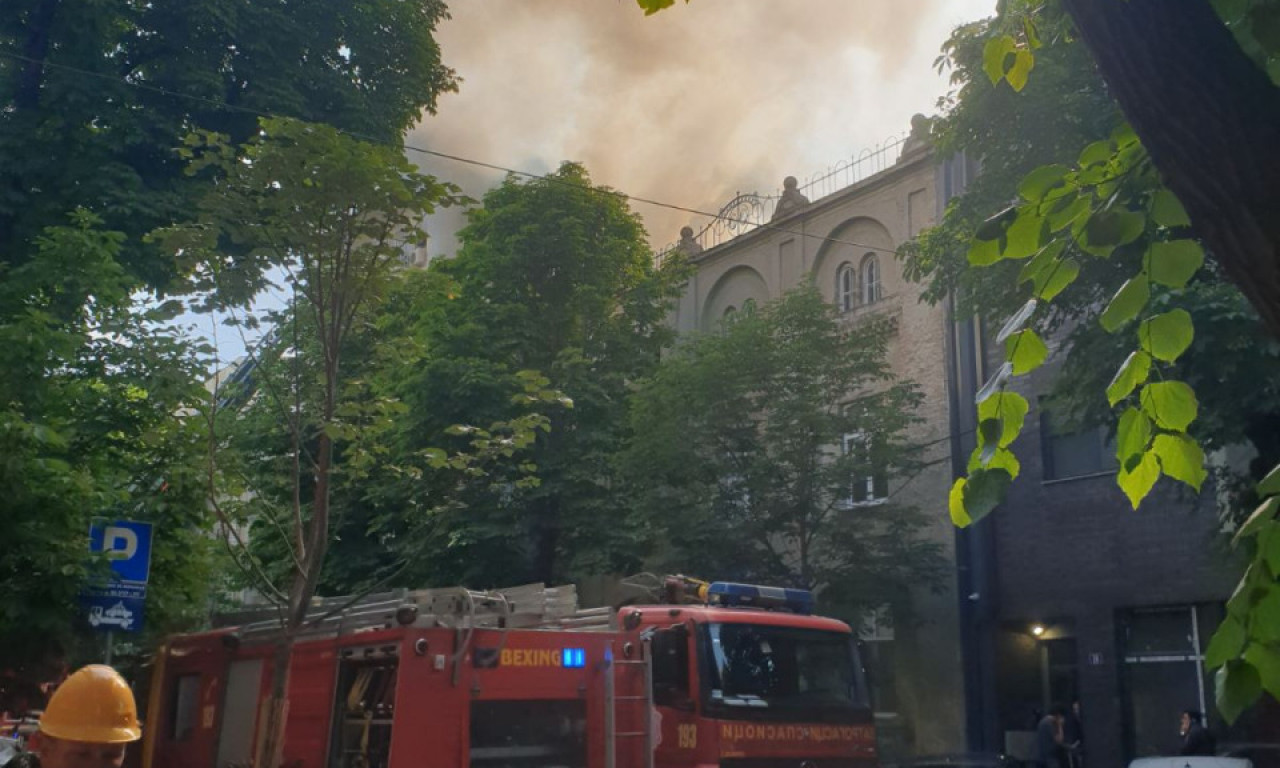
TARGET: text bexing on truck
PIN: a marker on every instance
(722, 674)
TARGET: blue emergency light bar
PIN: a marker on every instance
(752, 596)
(573, 658)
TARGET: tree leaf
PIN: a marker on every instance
(1238, 686)
(1053, 280)
(995, 383)
(1265, 617)
(1026, 351)
(1266, 660)
(984, 253)
(653, 6)
(1107, 230)
(1269, 547)
(1166, 336)
(1264, 513)
(1138, 481)
(993, 56)
(1041, 180)
(1270, 485)
(1024, 236)
(955, 505)
(1017, 320)
(1132, 374)
(1047, 256)
(1068, 214)
(1171, 405)
(1000, 458)
(984, 491)
(1097, 152)
(1174, 263)
(1181, 458)
(1126, 304)
(1132, 435)
(1023, 62)
(1010, 409)
(1167, 210)
(1123, 135)
(990, 431)
(995, 225)
(1227, 643)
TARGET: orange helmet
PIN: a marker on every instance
(94, 705)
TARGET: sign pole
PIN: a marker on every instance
(111, 636)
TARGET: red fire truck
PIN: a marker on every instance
(727, 675)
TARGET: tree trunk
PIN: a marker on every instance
(1210, 120)
(35, 49)
(546, 539)
(271, 748)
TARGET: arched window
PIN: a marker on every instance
(870, 279)
(845, 283)
(729, 311)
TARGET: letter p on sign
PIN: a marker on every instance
(119, 543)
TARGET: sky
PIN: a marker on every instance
(689, 106)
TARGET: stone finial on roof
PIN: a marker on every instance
(688, 244)
(920, 137)
(791, 200)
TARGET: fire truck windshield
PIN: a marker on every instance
(780, 673)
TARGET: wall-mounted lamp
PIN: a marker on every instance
(1037, 630)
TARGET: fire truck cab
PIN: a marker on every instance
(744, 677)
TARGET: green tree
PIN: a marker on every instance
(90, 397)
(334, 213)
(96, 95)
(773, 451)
(554, 276)
(94, 99)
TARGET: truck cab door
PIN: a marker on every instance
(673, 686)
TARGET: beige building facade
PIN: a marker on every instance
(845, 241)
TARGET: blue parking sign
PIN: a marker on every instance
(128, 545)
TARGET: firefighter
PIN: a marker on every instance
(90, 720)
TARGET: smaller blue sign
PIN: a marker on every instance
(573, 658)
(127, 544)
(113, 614)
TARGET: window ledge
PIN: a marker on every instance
(887, 306)
(1073, 478)
(848, 505)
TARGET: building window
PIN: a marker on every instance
(870, 279)
(870, 483)
(1070, 454)
(845, 287)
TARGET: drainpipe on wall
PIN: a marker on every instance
(974, 546)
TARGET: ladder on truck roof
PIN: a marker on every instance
(532, 606)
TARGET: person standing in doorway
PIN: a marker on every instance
(1196, 739)
(1073, 736)
(1049, 739)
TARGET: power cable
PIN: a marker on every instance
(449, 156)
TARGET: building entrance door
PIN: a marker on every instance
(1163, 674)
